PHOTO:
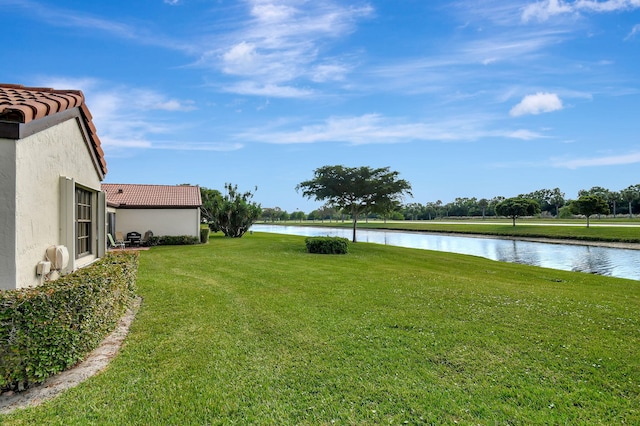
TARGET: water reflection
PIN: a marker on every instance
(614, 262)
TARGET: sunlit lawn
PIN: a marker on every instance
(256, 331)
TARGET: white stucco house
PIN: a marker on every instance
(52, 211)
(166, 210)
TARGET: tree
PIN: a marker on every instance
(386, 208)
(271, 214)
(236, 213)
(589, 205)
(557, 199)
(358, 190)
(631, 194)
(599, 191)
(297, 215)
(516, 207)
(211, 199)
(483, 204)
(612, 198)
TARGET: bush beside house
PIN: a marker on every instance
(174, 240)
(49, 328)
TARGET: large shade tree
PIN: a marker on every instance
(517, 207)
(589, 205)
(357, 190)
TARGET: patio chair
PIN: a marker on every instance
(120, 238)
(145, 239)
(113, 244)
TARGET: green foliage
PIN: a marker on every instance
(327, 245)
(235, 213)
(211, 199)
(204, 235)
(516, 207)
(549, 200)
(356, 190)
(46, 329)
(174, 240)
(589, 205)
(565, 212)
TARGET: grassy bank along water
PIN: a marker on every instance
(257, 331)
(624, 232)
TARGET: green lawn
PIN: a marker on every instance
(256, 331)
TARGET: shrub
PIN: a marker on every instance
(49, 328)
(204, 235)
(327, 245)
(174, 240)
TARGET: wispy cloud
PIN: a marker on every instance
(282, 44)
(537, 104)
(270, 90)
(524, 134)
(635, 30)
(378, 129)
(129, 117)
(544, 10)
(613, 160)
(67, 18)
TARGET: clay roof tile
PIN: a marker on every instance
(158, 196)
(20, 104)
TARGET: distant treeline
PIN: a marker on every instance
(553, 203)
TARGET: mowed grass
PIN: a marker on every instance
(257, 331)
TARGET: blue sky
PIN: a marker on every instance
(463, 98)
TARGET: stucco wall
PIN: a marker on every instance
(159, 221)
(7, 215)
(41, 160)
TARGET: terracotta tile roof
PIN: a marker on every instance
(158, 196)
(20, 104)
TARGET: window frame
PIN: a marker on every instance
(84, 221)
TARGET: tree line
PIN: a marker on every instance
(551, 202)
(363, 192)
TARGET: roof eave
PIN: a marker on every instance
(16, 130)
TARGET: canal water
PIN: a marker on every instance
(614, 262)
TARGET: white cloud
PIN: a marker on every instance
(607, 6)
(524, 134)
(536, 104)
(328, 72)
(98, 26)
(378, 129)
(614, 160)
(124, 116)
(196, 146)
(546, 9)
(282, 42)
(240, 59)
(270, 90)
(635, 30)
(172, 2)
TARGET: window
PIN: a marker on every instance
(83, 222)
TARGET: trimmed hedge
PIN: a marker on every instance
(204, 235)
(327, 245)
(174, 240)
(47, 329)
